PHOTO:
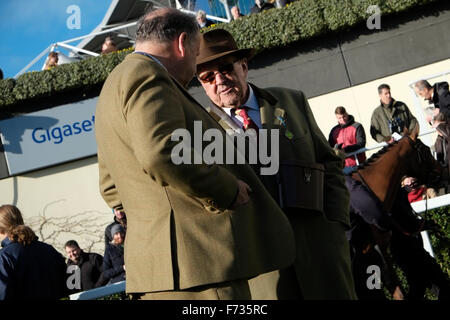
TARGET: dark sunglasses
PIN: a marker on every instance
(210, 77)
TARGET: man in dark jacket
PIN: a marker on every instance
(348, 136)
(391, 117)
(438, 94)
(90, 266)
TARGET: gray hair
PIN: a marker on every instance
(165, 25)
(422, 84)
(201, 14)
(430, 111)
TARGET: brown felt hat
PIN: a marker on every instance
(219, 43)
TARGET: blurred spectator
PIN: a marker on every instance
(391, 118)
(437, 94)
(90, 266)
(348, 136)
(201, 19)
(442, 144)
(119, 218)
(281, 3)
(430, 114)
(415, 191)
(1, 74)
(108, 46)
(188, 4)
(29, 269)
(236, 13)
(52, 60)
(113, 262)
(261, 5)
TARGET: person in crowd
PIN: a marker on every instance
(315, 204)
(391, 118)
(114, 263)
(415, 191)
(29, 269)
(119, 218)
(89, 266)
(236, 13)
(194, 230)
(348, 136)
(430, 114)
(261, 5)
(438, 94)
(203, 22)
(442, 143)
(52, 60)
(108, 46)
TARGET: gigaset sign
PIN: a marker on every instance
(45, 138)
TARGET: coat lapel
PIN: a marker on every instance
(269, 109)
(223, 119)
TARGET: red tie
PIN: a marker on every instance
(248, 123)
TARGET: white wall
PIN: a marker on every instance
(61, 203)
(361, 100)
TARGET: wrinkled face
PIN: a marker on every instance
(119, 237)
(225, 81)
(342, 118)
(385, 96)
(425, 93)
(73, 253)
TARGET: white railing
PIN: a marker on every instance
(100, 292)
(429, 204)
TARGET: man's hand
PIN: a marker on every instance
(243, 194)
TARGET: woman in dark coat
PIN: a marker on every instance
(442, 144)
(29, 269)
(113, 260)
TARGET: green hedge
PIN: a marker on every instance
(299, 21)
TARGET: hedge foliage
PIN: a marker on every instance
(299, 21)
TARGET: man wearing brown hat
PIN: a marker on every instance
(194, 230)
(309, 185)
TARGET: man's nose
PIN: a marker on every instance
(220, 78)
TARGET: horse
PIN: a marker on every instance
(380, 177)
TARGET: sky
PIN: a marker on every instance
(28, 27)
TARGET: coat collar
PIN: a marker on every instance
(5, 242)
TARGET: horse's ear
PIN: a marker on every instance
(415, 132)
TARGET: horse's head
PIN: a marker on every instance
(422, 164)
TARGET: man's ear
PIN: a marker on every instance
(182, 43)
